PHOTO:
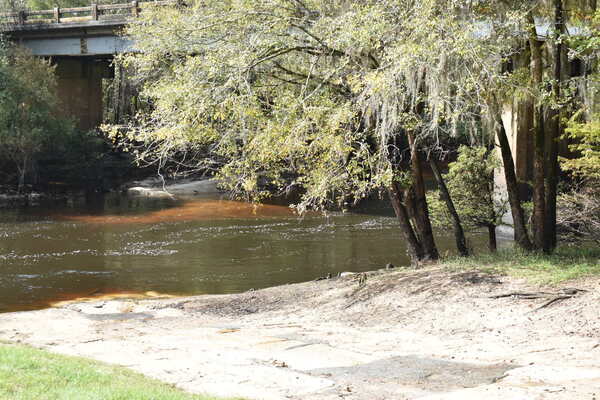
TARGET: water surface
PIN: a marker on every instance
(119, 245)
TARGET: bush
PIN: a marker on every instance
(37, 144)
(587, 146)
(578, 214)
(578, 211)
(29, 112)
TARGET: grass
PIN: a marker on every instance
(27, 373)
(567, 263)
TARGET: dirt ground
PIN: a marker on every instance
(426, 334)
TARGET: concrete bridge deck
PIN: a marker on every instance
(81, 42)
(80, 31)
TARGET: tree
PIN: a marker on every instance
(28, 108)
(450, 210)
(340, 99)
(309, 94)
(470, 181)
(541, 37)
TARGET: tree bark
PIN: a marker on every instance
(421, 210)
(492, 242)
(409, 203)
(554, 133)
(512, 187)
(414, 248)
(539, 187)
(459, 234)
(22, 169)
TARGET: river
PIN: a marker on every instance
(115, 245)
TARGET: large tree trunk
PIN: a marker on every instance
(459, 234)
(539, 187)
(554, 134)
(421, 210)
(512, 187)
(492, 242)
(414, 248)
(404, 202)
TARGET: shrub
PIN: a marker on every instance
(29, 120)
(578, 214)
(470, 181)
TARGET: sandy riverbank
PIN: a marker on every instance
(430, 334)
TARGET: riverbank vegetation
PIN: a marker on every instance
(40, 146)
(29, 125)
(567, 263)
(470, 185)
(27, 373)
(338, 101)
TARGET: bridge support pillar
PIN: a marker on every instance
(80, 88)
(518, 121)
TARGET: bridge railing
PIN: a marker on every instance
(94, 12)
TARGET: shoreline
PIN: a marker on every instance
(403, 334)
(151, 187)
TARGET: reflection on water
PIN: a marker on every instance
(128, 246)
(189, 211)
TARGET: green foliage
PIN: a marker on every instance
(586, 138)
(27, 373)
(316, 95)
(585, 46)
(470, 181)
(38, 144)
(29, 121)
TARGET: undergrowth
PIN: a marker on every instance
(566, 263)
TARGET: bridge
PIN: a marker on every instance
(81, 42)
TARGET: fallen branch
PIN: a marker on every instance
(552, 301)
(540, 295)
(563, 294)
(92, 340)
(523, 295)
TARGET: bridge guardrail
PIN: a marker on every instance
(93, 12)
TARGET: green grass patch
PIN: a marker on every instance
(27, 373)
(565, 264)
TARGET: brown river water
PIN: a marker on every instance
(117, 246)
